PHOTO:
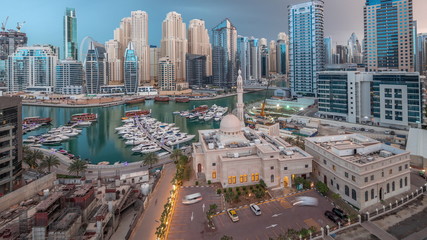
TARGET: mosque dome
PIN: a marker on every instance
(230, 124)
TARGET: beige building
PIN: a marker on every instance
(114, 61)
(273, 56)
(362, 170)
(139, 37)
(174, 44)
(199, 43)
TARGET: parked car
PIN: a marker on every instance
(305, 201)
(371, 130)
(233, 215)
(387, 132)
(334, 218)
(340, 213)
(255, 208)
(362, 129)
(192, 198)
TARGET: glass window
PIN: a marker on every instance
(353, 194)
(214, 175)
(366, 196)
(366, 179)
(272, 178)
(372, 194)
(392, 186)
(347, 190)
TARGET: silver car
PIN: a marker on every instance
(255, 209)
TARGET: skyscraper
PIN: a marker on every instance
(95, 67)
(224, 43)
(9, 42)
(198, 42)
(114, 62)
(154, 64)
(273, 56)
(166, 76)
(254, 60)
(139, 37)
(354, 50)
(341, 54)
(306, 51)
(328, 50)
(131, 70)
(265, 58)
(69, 77)
(70, 34)
(242, 57)
(388, 42)
(282, 54)
(32, 69)
(196, 69)
(421, 65)
(174, 45)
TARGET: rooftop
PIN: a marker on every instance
(45, 204)
(65, 222)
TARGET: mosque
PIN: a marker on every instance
(234, 155)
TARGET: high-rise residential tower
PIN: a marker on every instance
(273, 56)
(198, 42)
(282, 54)
(196, 69)
(114, 62)
(174, 44)
(166, 76)
(254, 60)
(328, 50)
(139, 37)
(95, 67)
(131, 71)
(224, 49)
(265, 58)
(9, 42)
(354, 49)
(69, 77)
(242, 56)
(388, 42)
(32, 69)
(306, 53)
(154, 64)
(421, 63)
(70, 34)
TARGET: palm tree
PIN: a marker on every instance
(32, 156)
(176, 154)
(50, 161)
(150, 159)
(77, 166)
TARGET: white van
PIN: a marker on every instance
(306, 201)
(255, 209)
(192, 198)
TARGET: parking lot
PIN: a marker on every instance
(189, 221)
(277, 217)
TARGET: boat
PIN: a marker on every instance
(29, 140)
(202, 108)
(162, 154)
(161, 99)
(152, 148)
(104, 163)
(176, 113)
(182, 99)
(135, 113)
(135, 100)
(84, 123)
(180, 140)
(84, 117)
(217, 118)
(36, 120)
(208, 116)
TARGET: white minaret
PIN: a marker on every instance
(240, 104)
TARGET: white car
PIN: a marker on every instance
(255, 208)
(192, 198)
(306, 201)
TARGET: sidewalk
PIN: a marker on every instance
(375, 230)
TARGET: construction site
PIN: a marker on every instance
(76, 208)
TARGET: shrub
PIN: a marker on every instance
(230, 189)
(244, 188)
(197, 183)
(262, 184)
(251, 188)
(209, 182)
(237, 189)
(218, 191)
(322, 188)
(258, 186)
(239, 193)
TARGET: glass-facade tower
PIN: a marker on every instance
(70, 34)
(131, 70)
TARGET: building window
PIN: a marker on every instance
(372, 194)
(338, 186)
(324, 161)
(285, 168)
(255, 177)
(214, 175)
(213, 164)
(406, 181)
(332, 182)
(400, 168)
(406, 166)
(388, 187)
(390, 171)
(382, 174)
(366, 196)
(392, 186)
(353, 178)
(366, 179)
(347, 190)
(231, 179)
(333, 167)
(346, 174)
(243, 178)
(272, 167)
(272, 178)
(353, 194)
(401, 183)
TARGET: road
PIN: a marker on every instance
(145, 229)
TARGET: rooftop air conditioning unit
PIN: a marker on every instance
(385, 153)
(211, 146)
(236, 155)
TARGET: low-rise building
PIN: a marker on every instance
(361, 170)
(238, 156)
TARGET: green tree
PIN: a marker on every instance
(77, 166)
(176, 154)
(50, 161)
(322, 188)
(32, 158)
(150, 159)
(225, 237)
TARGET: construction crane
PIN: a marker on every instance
(262, 113)
(19, 25)
(3, 24)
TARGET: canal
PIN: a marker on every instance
(100, 142)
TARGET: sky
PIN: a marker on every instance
(258, 18)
